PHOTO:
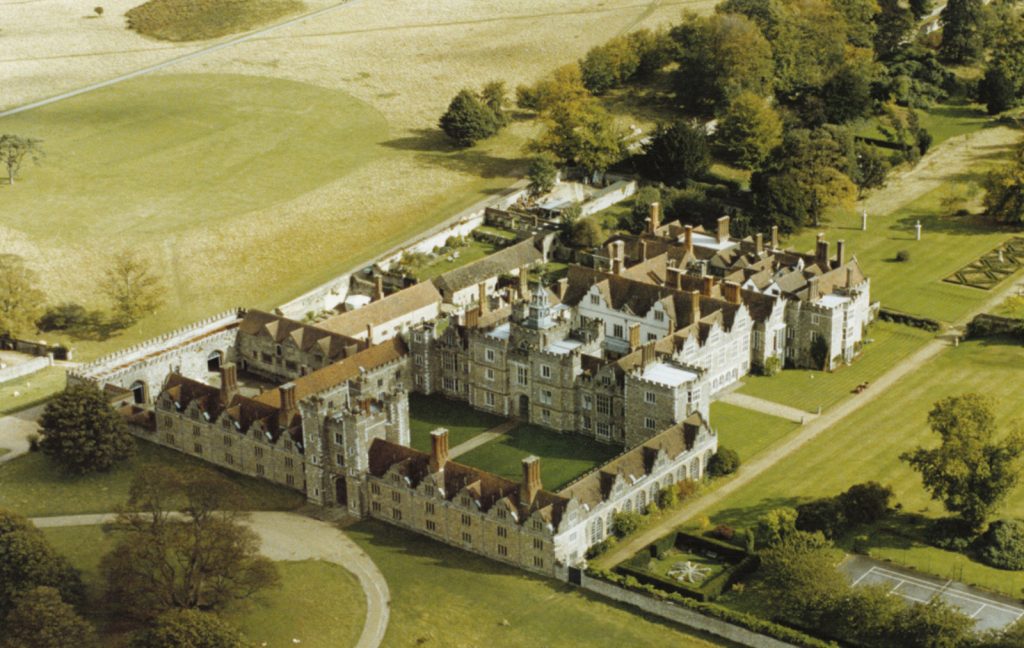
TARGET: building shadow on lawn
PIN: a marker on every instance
(444, 558)
(433, 147)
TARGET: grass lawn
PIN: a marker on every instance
(33, 487)
(748, 432)
(1012, 307)
(943, 121)
(866, 446)
(661, 567)
(807, 390)
(441, 596)
(472, 251)
(427, 413)
(563, 457)
(187, 20)
(948, 243)
(319, 603)
(31, 390)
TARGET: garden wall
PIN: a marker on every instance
(25, 368)
(681, 615)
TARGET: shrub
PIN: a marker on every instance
(1002, 545)
(68, 316)
(825, 515)
(861, 544)
(98, 10)
(724, 532)
(725, 462)
(625, 523)
(775, 526)
(468, 119)
(866, 503)
(33, 442)
(903, 256)
(772, 366)
(668, 498)
(952, 534)
(686, 488)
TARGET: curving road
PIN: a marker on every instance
(290, 536)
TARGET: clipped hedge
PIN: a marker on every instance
(890, 315)
(985, 325)
(741, 619)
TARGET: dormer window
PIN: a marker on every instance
(659, 316)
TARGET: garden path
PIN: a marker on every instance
(768, 407)
(15, 429)
(482, 438)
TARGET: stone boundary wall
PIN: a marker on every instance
(681, 615)
(25, 368)
(107, 365)
(328, 295)
(609, 196)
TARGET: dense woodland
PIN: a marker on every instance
(776, 88)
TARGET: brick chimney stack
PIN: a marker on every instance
(643, 250)
(840, 253)
(618, 257)
(647, 354)
(482, 298)
(654, 216)
(378, 287)
(228, 382)
(688, 238)
(562, 287)
(732, 292)
(723, 229)
(775, 237)
(524, 283)
(438, 450)
(531, 480)
(707, 284)
(288, 405)
(675, 278)
(812, 289)
(634, 337)
(759, 243)
(821, 253)
(694, 306)
(369, 335)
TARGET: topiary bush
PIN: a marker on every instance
(725, 462)
(903, 256)
(1002, 545)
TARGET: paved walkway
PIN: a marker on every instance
(989, 611)
(482, 438)
(768, 407)
(15, 430)
(290, 536)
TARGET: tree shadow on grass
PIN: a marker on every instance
(432, 146)
(746, 516)
(967, 225)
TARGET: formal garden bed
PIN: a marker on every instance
(993, 267)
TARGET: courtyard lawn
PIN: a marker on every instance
(32, 486)
(472, 251)
(748, 432)
(662, 566)
(563, 457)
(29, 391)
(807, 390)
(866, 446)
(441, 596)
(948, 243)
(321, 604)
(427, 413)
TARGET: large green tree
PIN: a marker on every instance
(800, 577)
(609, 65)
(804, 177)
(749, 130)
(189, 629)
(132, 287)
(935, 624)
(468, 119)
(27, 561)
(203, 560)
(21, 302)
(963, 39)
(719, 57)
(1004, 191)
(15, 150)
(41, 619)
(893, 26)
(82, 433)
(677, 152)
(583, 134)
(972, 470)
(563, 86)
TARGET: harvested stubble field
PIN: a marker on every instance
(256, 172)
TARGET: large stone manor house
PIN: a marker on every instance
(629, 351)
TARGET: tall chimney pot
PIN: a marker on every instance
(531, 480)
(723, 229)
(228, 382)
(688, 238)
(438, 450)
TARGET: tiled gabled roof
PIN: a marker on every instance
(524, 253)
(307, 338)
(382, 311)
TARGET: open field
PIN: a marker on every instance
(316, 151)
(563, 457)
(747, 432)
(33, 487)
(807, 390)
(427, 413)
(319, 603)
(866, 446)
(31, 390)
(441, 596)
